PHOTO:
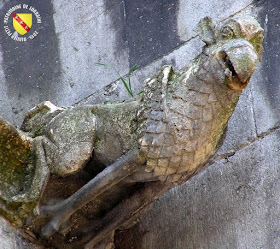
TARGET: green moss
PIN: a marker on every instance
(117, 122)
(41, 109)
(257, 41)
(15, 154)
(96, 140)
(16, 171)
(221, 123)
(38, 131)
(16, 212)
(14, 219)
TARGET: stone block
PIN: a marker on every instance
(232, 204)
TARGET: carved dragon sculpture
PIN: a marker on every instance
(145, 145)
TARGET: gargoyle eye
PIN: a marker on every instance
(227, 33)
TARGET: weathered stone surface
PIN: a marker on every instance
(265, 95)
(66, 52)
(69, 140)
(16, 168)
(241, 127)
(232, 204)
(31, 70)
(190, 12)
(38, 117)
(266, 115)
(79, 44)
(150, 29)
(173, 114)
(170, 115)
(10, 238)
(178, 58)
(23, 173)
(83, 43)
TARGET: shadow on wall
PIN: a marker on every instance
(149, 28)
(32, 69)
(269, 17)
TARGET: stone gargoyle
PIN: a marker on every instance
(71, 177)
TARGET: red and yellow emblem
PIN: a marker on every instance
(22, 22)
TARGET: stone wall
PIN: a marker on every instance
(10, 238)
(232, 204)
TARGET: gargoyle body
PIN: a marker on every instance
(145, 145)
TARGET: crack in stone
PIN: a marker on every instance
(253, 112)
(156, 59)
(239, 11)
(243, 146)
(228, 155)
(269, 131)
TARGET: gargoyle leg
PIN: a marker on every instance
(105, 180)
(128, 211)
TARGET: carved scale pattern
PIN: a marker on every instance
(178, 117)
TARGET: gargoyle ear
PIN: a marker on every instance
(206, 30)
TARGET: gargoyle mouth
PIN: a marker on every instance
(230, 67)
(240, 60)
(232, 79)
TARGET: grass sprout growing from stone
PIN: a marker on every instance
(126, 83)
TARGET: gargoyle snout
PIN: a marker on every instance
(240, 59)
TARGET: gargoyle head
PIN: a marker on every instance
(234, 49)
